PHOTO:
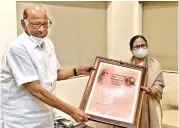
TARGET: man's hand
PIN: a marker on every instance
(67, 73)
(84, 70)
(79, 116)
(43, 95)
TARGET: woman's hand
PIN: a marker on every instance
(149, 91)
(146, 90)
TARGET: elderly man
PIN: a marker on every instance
(28, 74)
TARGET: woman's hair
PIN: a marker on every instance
(134, 38)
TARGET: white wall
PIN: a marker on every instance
(124, 20)
(8, 23)
(160, 27)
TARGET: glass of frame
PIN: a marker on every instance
(113, 94)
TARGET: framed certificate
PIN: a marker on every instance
(113, 93)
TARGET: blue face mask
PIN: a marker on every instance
(140, 53)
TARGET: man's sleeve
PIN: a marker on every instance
(21, 66)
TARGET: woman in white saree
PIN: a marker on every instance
(151, 114)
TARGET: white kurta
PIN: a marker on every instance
(25, 61)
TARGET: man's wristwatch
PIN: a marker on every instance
(75, 72)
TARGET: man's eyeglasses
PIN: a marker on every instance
(38, 25)
(140, 46)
